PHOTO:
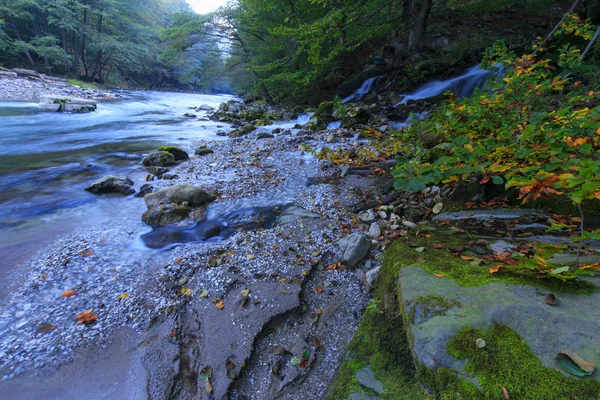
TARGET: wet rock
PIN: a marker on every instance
(372, 276)
(66, 104)
(189, 115)
(170, 177)
(112, 184)
(367, 216)
(205, 107)
(203, 151)
(144, 190)
(165, 214)
(354, 248)
(264, 135)
(157, 171)
(409, 224)
(293, 214)
(177, 153)
(158, 159)
(192, 195)
(366, 377)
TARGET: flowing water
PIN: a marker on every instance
(47, 159)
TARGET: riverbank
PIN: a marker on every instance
(26, 85)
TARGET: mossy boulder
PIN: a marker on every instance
(191, 195)
(175, 151)
(158, 159)
(246, 129)
(203, 151)
(356, 116)
(165, 214)
(325, 108)
(112, 184)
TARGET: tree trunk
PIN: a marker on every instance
(407, 11)
(99, 62)
(420, 15)
(18, 35)
(83, 39)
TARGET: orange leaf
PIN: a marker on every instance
(319, 289)
(69, 293)
(485, 180)
(495, 269)
(469, 204)
(86, 317)
(505, 394)
(438, 246)
(220, 305)
(89, 253)
(178, 260)
(419, 259)
(594, 266)
(440, 275)
(467, 258)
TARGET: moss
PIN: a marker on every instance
(85, 85)
(175, 151)
(428, 306)
(507, 360)
(441, 261)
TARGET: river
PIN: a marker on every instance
(47, 159)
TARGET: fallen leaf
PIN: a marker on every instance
(69, 293)
(230, 368)
(317, 343)
(574, 363)
(438, 208)
(124, 296)
(440, 275)
(419, 259)
(220, 305)
(319, 289)
(204, 294)
(250, 256)
(480, 343)
(467, 258)
(45, 328)
(208, 387)
(495, 269)
(438, 246)
(485, 180)
(206, 372)
(86, 317)
(420, 249)
(186, 291)
(294, 361)
(505, 394)
(89, 254)
(178, 260)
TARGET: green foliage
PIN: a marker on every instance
(82, 84)
(506, 360)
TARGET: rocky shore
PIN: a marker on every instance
(27, 85)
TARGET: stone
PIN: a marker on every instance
(144, 190)
(293, 214)
(489, 215)
(66, 104)
(382, 215)
(265, 135)
(175, 151)
(367, 216)
(194, 196)
(330, 138)
(205, 107)
(366, 377)
(203, 151)
(112, 184)
(354, 248)
(409, 224)
(372, 276)
(158, 159)
(165, 214)
(189, 115)
(546, 330)
(374, 231)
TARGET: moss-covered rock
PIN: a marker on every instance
(203, 151)
(159, 159)
(175, 151)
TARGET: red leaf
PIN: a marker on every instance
(485, 180)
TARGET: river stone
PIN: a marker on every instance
(546, 330)
(205, 107)
(192, 195)
(354, 248)
(203, 151)
(366, 377)
(367, 216)
(293, 214)
(112, 184)
(372, 276)
(374, 231)
(66, 104)
(158, 159)
(175, 151)
(165, 214)
(265, 135)
(144, 190)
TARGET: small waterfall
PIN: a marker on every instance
(463, 85)
(363, 90)
(303, 119)
(334, 125)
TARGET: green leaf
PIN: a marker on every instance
(560, 270)
(498, 180)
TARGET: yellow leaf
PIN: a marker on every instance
(186, 291)
(69, 293)
(124, 296)
(220, 305)
(469, 147)
(250, 256)
(500, 167)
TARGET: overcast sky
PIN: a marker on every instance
(205, 6)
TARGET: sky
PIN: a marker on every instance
(205, 6)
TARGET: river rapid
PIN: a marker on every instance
(47, 159)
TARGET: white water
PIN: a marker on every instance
(334, 125)
(366, 88)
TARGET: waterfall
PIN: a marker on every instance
(366, 88)
(303, 119)
(334, 125)
(463, 85)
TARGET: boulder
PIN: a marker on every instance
(144, 190)
(354, 248)
(193, 196)
(158, 159)
(205, 107)
(189, 115)
(374, 231)
(175, 151)
(264, 135)
(203, 151)
(112, 184)
(66, 104)
(165, 214)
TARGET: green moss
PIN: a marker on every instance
(429, 306)
(85, 85)
(507, 360)
(175, 151)
(441, 261)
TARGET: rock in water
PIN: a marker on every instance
(175, 151)
(112, 184)
(203, 151)
(193, 196)
(66, 104)
(158, 159)
(165, 214)
(354, 248)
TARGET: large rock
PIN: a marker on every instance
(573, 324)
(112, 184)
(175, 151)
(66, 104)
(158, 159)
(354, 248)
(192, 195)
(165, 214)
